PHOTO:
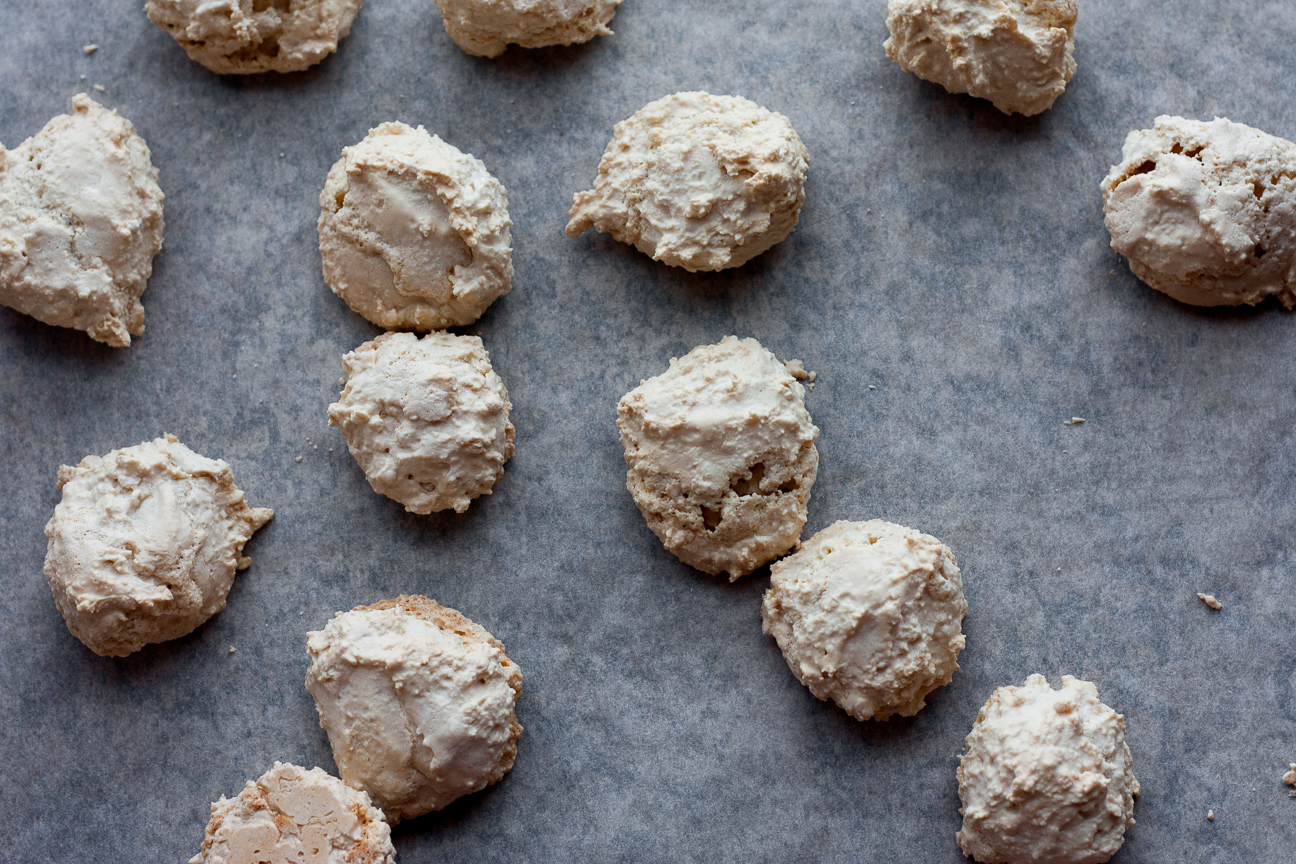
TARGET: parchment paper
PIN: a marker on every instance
(950, 257)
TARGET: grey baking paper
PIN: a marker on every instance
(951, 257)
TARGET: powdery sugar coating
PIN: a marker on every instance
(868, 614)
(80, 222)
(294, 816)
(697, 181)
(145, 543)
(1045, 777)
(239, 37)
(487, 27)
(417, 701)
(721, 456)
(1206, 212)
(426, 419)
(414, 234)
(1018, 54)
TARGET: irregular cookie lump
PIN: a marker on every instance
(721, 457)
(80, 222)
(290, 815)
(145, 544)
(417, 701)
(241, 37)
(697, 181)
(1018, 54)
(426, 419)
(1045, 777)
(487, 27)
(413, 233)
(869, 615)
(1206, 212)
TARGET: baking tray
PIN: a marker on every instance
(951, 257)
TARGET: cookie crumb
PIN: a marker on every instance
(99, 88)
(1076, 421)
(298, 458)
(233, 649)
(871, 387)
(797, 370)
(1290, 777)
(813, 376)
(1209, 600)
(90, 49)
(1210, 815)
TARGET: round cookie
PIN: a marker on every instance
(1019, 54)
(1206, 212)
(426, 419)
(697, 181)
(721, 457)
(869, 615)
(487, 27)
(1045, 777)
(241, 37)
(145, 544)
(414, 234)
(290, 815)
(80, 222)
(417, 701)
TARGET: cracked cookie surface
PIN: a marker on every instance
(80, 222)
(1206, 212)
(721, 457)
(697, 181)
(417, 701)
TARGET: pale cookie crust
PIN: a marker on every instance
(487, 27)
(869, 615)
(697, 181)
(1206, 212)
(145, 543)
(80, 222)
(290, 815)
(1019, 54)
(1045, 777)
(241, 37)
(426, 419)
(417, 701)
(721, 456)
(413, 233)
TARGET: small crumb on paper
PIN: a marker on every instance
(797, 370)
(99, 87)
(232, 649)
(813, 376)
(90, 49)
(1209, 600)
(1210, 815)
(1290, 777)
(298, 458)
(871, 387)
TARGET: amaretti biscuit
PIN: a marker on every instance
(426, 419)
(418, 703)
(80, 222)
(487, 27)
(697, 181)
(1018, 54)
(1045, 777)
(289, 816)
(413, 233)
(721, 457)
(145, 544)
(240, 37)
(869, 615)
(1206, 212)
